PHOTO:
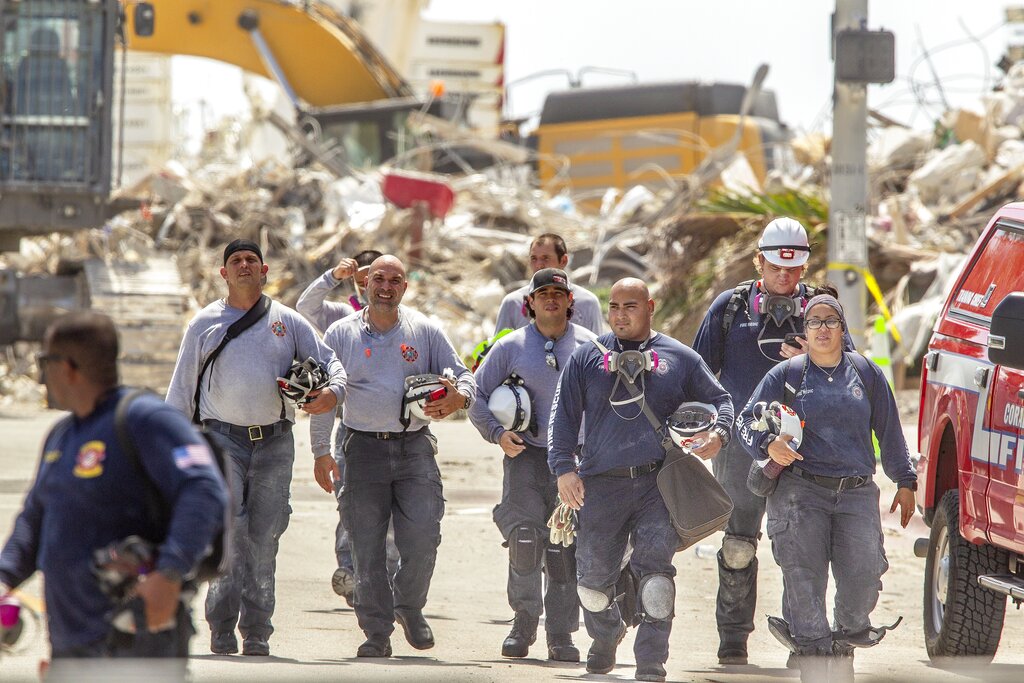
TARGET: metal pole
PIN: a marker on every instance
(847, 239)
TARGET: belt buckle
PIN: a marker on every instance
(384, 436)
(634, 472)
(256, 433)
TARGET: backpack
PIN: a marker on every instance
(215, 563)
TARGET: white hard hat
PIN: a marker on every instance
(784, 243)
(420, 390)
(510, 405)
(301, 380)
(688, 419)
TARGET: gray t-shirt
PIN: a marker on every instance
(313, 302)
(240, 387)
(376, 366)
(586, 310)
(522, 352)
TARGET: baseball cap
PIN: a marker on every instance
(549, 277)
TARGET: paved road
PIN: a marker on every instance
(316, 636)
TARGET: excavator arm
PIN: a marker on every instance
(319, 56)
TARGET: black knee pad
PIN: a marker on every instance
(526, 546)
(560, 563)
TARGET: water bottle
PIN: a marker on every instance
(706, 551)
(295, 221)
(10, 620)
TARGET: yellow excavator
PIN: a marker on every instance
(57, 61)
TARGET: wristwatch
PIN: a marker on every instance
(723, 434)
(468, 401)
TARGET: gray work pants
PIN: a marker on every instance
(529, 494)
(259, 475)
(391, 481)
(811, 528)
(615, 511)
(737, 587)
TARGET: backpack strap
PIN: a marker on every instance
(796, 371)
(156, 504)
(251, 317)
(736, 302)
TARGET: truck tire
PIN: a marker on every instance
(960, 617)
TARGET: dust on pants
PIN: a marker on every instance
(811, 528)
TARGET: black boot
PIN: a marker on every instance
(522, 636)
(561, 648)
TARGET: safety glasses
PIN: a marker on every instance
(830, 323)
(549, 354)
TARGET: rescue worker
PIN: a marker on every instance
(549, 251)
(617, 472)
(322, 313)
(534, 354)
(742, 337)
(391, 472)
(88, 495)
(229, 384)
(824, 509)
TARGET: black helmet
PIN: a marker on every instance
(302, 379)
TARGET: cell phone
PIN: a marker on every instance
(791, 339)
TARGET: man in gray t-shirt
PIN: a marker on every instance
(245, 415)
(391, 473)
(549, 251)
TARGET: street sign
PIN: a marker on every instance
(865, 56)
(848, 239)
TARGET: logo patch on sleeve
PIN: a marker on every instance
(89, 462)
(192, 455)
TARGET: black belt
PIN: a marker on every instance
(252, 432)
(837, 484)
(386, 436)
(632, 472)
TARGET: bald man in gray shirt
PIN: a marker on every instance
(391, 473)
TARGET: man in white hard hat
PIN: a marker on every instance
(534, 355)
(744, 335)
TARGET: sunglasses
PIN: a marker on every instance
(830, 323)
(549, 357)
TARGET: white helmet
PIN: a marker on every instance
(302, 379)
(688, 419)
(778, 418)
(510, 405)
(420, 390)
(784, 243)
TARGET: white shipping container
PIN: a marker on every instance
(147, 124)
(140, 160)
(458, 75)
(451, 41)
(144, 66)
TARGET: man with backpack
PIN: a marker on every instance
(226, 378)
(90, 496)
(745, 333)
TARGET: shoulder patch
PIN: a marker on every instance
(51, 456)
(192, 455)
(89, 462)
(278, 328)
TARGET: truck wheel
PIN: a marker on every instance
(960, 617)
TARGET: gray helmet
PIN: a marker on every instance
(301, 380)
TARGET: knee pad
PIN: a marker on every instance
(738, 552)
(656, 597)
(595, 599)
(560, 563)
(526, 548)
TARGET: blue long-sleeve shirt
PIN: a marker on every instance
(87, 494)
(522, 352)
(838, 417)
(624, 437)
(736, 358)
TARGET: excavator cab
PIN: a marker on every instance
(56, 72)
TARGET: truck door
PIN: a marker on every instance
(993, 484)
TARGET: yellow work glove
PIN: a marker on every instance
(563, 525)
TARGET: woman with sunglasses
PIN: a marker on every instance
(824, 509)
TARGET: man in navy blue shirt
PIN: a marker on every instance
(88, 495)
(618, 469)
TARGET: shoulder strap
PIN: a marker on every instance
(737, 301)
(156, 506)
(251, 317)
(796, 370)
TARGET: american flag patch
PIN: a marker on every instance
(192, 455)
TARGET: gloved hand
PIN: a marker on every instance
(563, 525)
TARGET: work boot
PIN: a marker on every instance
(255, 646)
(601, 658)
(561, 648)
(375, 646)
(650, 672)
(522, 635)
(223, 643)
(344, 583)
(417, 630)
(732, 653)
